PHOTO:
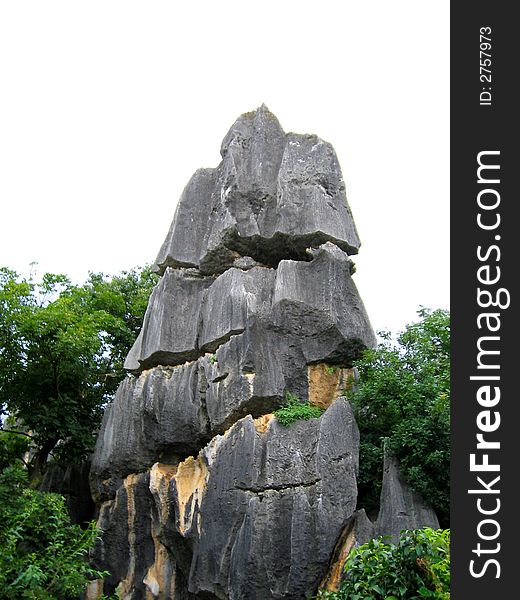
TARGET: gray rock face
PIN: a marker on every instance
(400, 507)
(194, 529)
(269, 503)
(165, 338)
(315, 302)
(231, 302)
(201, 493)
(272, 196)
(159, 415)
(358, 530)
(254, 333)
(130, 549)
(319, 303)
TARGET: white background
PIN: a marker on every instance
(107, 107)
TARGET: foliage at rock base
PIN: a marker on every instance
(42, 555)
(415, 568)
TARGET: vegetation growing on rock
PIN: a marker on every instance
(295, 409)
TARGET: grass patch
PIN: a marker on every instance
(295, 409)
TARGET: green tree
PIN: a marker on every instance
(42, 555)
(402, 399)
(62, 349)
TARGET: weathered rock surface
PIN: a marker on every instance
(272, 196)
(248, 335)
(231, 302)
(315, 302)
(152, 418)
(139, 564)
(255, 332)
(170, 327)
(268, 506)
(358, 530)
(400, 507)
(196, 527)
(201, 493)
(318, 302)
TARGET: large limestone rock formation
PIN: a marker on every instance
(201, 492)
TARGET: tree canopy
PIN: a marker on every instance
(402, 401)
(62, 348)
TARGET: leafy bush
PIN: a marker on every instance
(295, 409)
(42, 555)
(402, 401)
(415, 568)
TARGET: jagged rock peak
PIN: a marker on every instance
(401, 507)
(256, 123)
(274, 195)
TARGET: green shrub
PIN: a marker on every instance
(295, 409)
(42, 555)
(417, 567)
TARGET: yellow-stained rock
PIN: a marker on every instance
(94, 590)
(160, 577)
(161, 475)
(345, 544)
(262, 423)
(190, 482)
(326, 383)
(358, 530)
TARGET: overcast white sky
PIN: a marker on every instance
(107, 108)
